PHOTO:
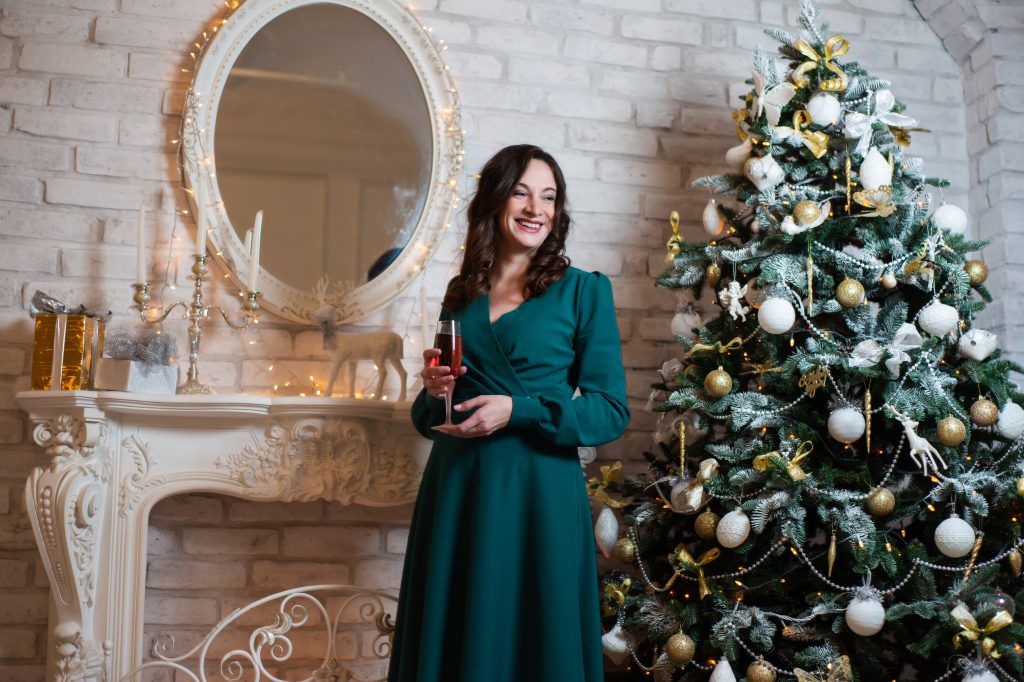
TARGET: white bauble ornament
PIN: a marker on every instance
(954, 537)
(736, 156)
(615, 644)
(977, 344)
(755, 226)
(1011, 421)
(606, 531)
(764, 172)
(733, 529)
(875, 171)
(981, 676)
(824, 109)
(714, 223)
(938, 319)
(865, 616)
(889, 280)
(685, 321)
(950, 217)
(846, 424)
(722, 672)
(776, 315)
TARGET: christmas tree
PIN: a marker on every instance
(836, 494)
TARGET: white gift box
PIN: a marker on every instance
(135, 377)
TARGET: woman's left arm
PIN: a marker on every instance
(600, 414)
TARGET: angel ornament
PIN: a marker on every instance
(732, 296)
(922, 452)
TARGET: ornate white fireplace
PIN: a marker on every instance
(113, 455)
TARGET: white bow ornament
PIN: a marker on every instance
(858, 125)
(907, 338)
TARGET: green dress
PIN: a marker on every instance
(500, 581)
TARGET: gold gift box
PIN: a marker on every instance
(65, 348)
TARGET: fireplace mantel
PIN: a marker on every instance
(113, 455)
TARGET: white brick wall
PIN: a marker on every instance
(633, 96)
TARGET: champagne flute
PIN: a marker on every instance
(449, 341)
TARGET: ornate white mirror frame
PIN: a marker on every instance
(199, 161)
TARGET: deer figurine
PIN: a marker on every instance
(919, 447)
(349, 348)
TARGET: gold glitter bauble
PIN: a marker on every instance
(1020, 487)
(680, 649)
(718, 383)
(881, 502)
(759, 672)
(951, 431)
(976, 271)
(624, 550)
(1015, 560)
(706, 525)
(713, 274)
(850, 293)
(806, 212)
(984, 412)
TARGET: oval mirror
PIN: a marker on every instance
(337, 120)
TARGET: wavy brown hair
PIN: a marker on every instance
(498, 180)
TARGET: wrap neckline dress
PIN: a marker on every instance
(500, 578)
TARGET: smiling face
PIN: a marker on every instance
(526, 219)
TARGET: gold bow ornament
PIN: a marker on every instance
(688, 496)
(816, 141)
(834, 46)
(596, 485)
(617, 592)
(698, 565)
(839, 670)
(972, 632)
(735, 343)
(793, 468)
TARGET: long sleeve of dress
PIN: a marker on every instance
(600, 413)
(426, 413)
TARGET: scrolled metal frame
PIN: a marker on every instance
(274, 640)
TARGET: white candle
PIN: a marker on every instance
(424, 328)
(248, 240)
(254, 252)
(140, 259)
(200, 224)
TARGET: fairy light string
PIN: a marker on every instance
(190, 133)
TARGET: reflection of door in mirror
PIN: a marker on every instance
(323, 125)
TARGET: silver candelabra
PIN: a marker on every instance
(196, 313)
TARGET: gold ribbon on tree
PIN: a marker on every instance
(737, 342)
(698, 565)
(596, 485)
(834, 46)
(839, 670)
(617, 592)
(972, 632)
(764, 462)
(740, 117)
(816, 141)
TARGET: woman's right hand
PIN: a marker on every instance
(437, 380)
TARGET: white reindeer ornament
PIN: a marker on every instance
(349, 348)
(922, 452)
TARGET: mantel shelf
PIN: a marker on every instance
(114, 455)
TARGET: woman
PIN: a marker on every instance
(500, 581)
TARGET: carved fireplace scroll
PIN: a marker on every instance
(112, 456)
